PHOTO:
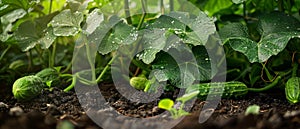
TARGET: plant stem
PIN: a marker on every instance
(30, 62)
(274, 83)
(52, 61)
(127, 12)
(295, 69)
(141, 65)
(90, 62)
(245, 11)
(50, 7)
(105, 69)
(4, 52)
(40, 56)
(72, 85)
(280, 5)
(70, 65)
(289, 6)
(143, 15)
(162, 8)
(171, 5)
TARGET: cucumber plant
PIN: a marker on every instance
(261, 44)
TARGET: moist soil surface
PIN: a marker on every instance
(62, 110)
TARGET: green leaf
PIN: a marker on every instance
(33, 32)
(167, 22)
(78, 5)
(7, 21)
(112, 34)
(169, 32)
(214, 6)
(93, 21)
(153, 42)
(24, 4)
(166, 104)
(188, 69)
(202, 27)
(276, 30)
(67, 23)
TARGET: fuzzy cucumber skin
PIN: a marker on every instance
(232, 89)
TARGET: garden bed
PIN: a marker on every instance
(52, 108)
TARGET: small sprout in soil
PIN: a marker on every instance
(253, 109)
(168, 104)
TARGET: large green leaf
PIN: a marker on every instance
(169, 31)
(33, 32)
(185, 70)
(276, 30)
(112, 34)
(67, 23)
(199, 27)
(93, 21)
(7, 21)
(153, 42)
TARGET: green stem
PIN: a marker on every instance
(49, 58)
(280, 5)
(289, 6)
(40, 55)
(52, 61)
(141, 65)
(30, 59)
(243, 73)
(66, 75)
(171, 5)
(143, 15)
(162, 7)
(83, 80)
(127, 12)
(4, 52)
(105, 69)
(270, 77)
(50, 8)
(295, 69)
(72, 85)
(70, 64)
(90, 62)
(274, 83)
(245, 11)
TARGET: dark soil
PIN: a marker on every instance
(57, 109)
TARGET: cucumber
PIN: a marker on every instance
(27, 87)
(232, 89)
(292, 90)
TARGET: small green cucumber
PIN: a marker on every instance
(232, 89)
(292, 90)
